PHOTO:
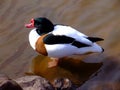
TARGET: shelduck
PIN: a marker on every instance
(58, 41)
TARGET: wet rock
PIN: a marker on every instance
(107, 78)
(34, 83)
(8, 84)
(63, 84)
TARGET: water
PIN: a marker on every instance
(95, 18)
(74, 69)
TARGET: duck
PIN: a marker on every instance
(57, 41)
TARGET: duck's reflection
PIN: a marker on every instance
(74, 69)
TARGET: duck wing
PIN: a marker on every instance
(51, 39)
(71, 32)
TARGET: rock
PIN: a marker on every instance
(63, 84)
(8, 84)
(107, 78)
(34, 83)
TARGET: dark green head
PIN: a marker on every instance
(42, 25)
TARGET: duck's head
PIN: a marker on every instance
(42, 24)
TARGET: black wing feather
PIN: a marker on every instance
(95, 39)
(57, 39)
(51, 39)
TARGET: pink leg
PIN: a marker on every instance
(53, 63)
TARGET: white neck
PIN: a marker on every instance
(33, 37)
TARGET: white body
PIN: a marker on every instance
(62, 50)
(33, 37)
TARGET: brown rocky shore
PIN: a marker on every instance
(101, 80)
(34, 83)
